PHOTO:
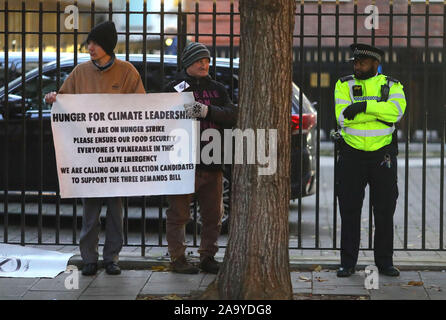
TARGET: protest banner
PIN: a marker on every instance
(110, 145)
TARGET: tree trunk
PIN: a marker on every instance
(256, 263)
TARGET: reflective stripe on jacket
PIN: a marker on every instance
(367, 131)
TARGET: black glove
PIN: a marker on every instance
(352, 110)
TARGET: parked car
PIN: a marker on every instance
(40, 157)
(309, 118)
(32, 59)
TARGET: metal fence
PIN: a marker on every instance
(321, 41)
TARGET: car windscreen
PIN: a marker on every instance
(17, 81)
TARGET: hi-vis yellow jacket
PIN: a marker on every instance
(373, 129)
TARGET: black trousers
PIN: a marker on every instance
(354, 171)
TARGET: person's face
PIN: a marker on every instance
(199, 68)
(365, 68)
(96, 52)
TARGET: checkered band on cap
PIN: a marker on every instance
(368, 53)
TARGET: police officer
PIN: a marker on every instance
(368, 105)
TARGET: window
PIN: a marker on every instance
(49, 80)
(153, 75)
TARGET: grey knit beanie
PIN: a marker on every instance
(194, 51)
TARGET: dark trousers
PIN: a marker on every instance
(91, 226)
(354, 172)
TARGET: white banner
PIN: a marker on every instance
(24, 262)
(110, 145)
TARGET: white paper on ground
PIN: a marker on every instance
(24, 262)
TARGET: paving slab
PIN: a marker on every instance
(436, 293)
(69, 249)
(52, 295)
(10, 297)
(161, 283)
(5, 282)
(434, 284)
(441, 284)
(112, 291)
(172, 277)
(131, 274)
(128, 283)
(429, 275)
(340, 290)
(58, 283)
(15, 287)
(13, 291)
(117, 283)
(207, 279)
(329, 279)
(404, 278)
(399, 293)
(160, 289)
(301, 281)
(107, 297)
(302, 291)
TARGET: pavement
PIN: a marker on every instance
(146, 275)
(313, 277)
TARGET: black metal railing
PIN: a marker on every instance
(321, 41)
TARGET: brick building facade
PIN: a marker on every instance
(205, 8)
(309, 11)
(49, 23)
(414, 47)
(412, 33)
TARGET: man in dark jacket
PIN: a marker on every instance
(214, 109)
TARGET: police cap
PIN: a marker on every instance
(361, 50)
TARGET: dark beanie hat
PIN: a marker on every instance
(104, 34)
(194, 51)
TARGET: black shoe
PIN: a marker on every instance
(112, 268)
(208, 264)
(181, 265)
(345, 272)
(389, 271)
(89, 269)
